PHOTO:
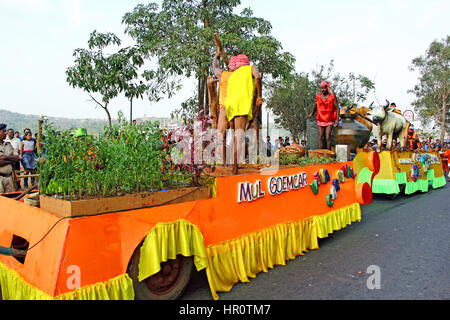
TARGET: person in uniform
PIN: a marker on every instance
(7, 162)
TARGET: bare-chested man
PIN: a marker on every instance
(237, 87)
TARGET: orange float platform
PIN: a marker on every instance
(251, 223)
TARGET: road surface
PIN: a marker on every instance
(406, 240)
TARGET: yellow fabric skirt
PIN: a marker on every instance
(240, 259)
(14, 287)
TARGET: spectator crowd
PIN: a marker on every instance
(21, 154)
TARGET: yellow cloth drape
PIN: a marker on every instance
(240, 93)
(120, 288)
(243, 258)
(14, 287)
(336, 220)
(166, 241)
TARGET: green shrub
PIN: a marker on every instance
(126, 158)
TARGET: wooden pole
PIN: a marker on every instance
(213, 100)
(39, 136)
(221, 50)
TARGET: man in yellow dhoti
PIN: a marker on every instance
(236, 96)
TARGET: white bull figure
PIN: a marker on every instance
(391, 124)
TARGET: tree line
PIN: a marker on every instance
(175, 41)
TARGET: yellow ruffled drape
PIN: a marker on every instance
(120, 288)
(166, 241)
(336, 220)
(243, 258)
(14, 287)
(237, 260)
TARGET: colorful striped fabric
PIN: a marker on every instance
(238, 61)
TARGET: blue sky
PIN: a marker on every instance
(376, 38)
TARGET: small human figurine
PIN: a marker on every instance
(237, 88)
(327, 108)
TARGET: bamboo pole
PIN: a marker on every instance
(213, 100)
(39, 136)
(221, 50)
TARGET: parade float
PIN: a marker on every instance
(111, 224)
(95, 235)
(401, 171)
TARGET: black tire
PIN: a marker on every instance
(173, 285)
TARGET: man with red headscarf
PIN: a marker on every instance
(237, 88)
(327, 108)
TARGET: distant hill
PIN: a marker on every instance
(19, 122)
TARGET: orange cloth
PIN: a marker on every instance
(223, 87)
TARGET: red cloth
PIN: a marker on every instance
(326, 112)
(237, 62)
(325, 84)
(325, 124)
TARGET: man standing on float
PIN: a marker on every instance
(237, 88)
(327, 108)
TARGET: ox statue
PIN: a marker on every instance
(390, 124)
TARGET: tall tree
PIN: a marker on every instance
(95, 72)
(180, 37)
(104, 74)
(293, 98)
(290, 101)
(433, 90)
(349, 90)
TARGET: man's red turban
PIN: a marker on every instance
(327, 85)
(238, 61)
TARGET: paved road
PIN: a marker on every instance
(407, 238)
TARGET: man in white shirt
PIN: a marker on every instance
(15, 143)
(278, 144)
(7, 162)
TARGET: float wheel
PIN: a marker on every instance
(392, 196)
(168, 284)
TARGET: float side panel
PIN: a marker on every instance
(42, 262)
(231, 220)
